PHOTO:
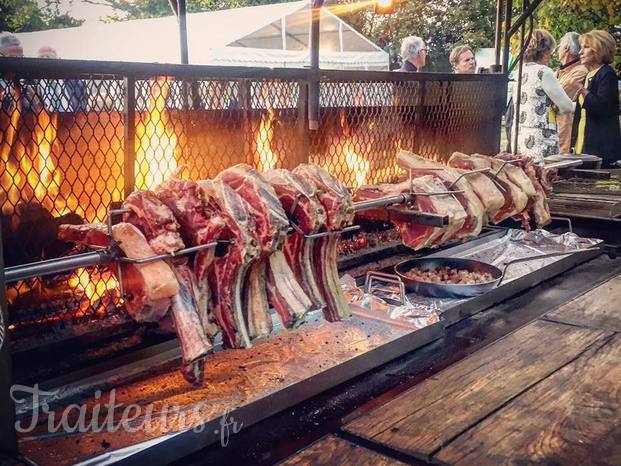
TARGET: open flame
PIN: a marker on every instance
(97, 287)
(266, 159)
(29, 172)
(357, 166)
(157, 142)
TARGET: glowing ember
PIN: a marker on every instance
(94, 286)
(266, 159)
(157, 143)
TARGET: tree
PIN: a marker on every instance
(442, 24)
(561, 16)
(141, 9)
(27, 16)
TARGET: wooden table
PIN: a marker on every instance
(548, 393)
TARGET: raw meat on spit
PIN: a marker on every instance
(284, 292)
(414, 235)
(227, 273)
(453, 181)
(161, 229)
(298, 197)
(339, 209)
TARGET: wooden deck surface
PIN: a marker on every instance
(548, 393)
(332, 450)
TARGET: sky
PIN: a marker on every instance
(82, 10)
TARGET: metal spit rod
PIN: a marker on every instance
(55, 266)
(107, 255)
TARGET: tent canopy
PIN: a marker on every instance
(266, 35)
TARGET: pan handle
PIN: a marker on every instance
(543, 256)
(386, 278)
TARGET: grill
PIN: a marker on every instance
(77, 137)
(592, 200)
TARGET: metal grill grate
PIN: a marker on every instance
(77, 137)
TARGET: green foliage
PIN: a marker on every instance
(27, 15)
(442, 24)
(561, 16)
(140, 9)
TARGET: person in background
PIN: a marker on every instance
(462, 60)
(413, 53)
(541, 98)
(68, 95)
(50, 90)
(571, 74)
(10, 46)
(598, 128)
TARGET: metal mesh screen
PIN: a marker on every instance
(75, 143)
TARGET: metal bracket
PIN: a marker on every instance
(323, 234)
(565, 219)
(504, 164)
(386, 278)
(468, 173)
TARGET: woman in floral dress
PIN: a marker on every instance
(541, 99)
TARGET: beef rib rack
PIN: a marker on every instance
(298, 197)
(227, 274)
(157, 222)
(284, 292)
(339, 208)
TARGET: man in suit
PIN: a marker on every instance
(413, 53)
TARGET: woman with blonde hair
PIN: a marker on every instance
(598, 130)
(541, 98)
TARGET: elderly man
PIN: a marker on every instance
(462, 60)
(413, 53)
(571, 76)
(10, 46)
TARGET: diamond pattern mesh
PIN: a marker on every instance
(66, 157)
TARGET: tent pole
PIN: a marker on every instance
(498, 39)
(183, 32)
(313, 95)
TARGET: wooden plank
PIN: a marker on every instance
(572, 417)
(600, 307)
(421, 420)
(331, 450)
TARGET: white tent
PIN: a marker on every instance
(267, 35)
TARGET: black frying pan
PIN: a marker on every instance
(440, 290)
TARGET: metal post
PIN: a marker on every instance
(8, 437)
(302, 126)
(507, 37)
(516, 115)
(313, 95)
(129, 134)
(498, 38)
(183, 32)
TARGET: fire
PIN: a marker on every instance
(30, 172)
(95, 286)
(357, 166)
(266, 157)
(157, 142)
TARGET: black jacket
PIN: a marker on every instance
(602, 135)
(408, 67)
